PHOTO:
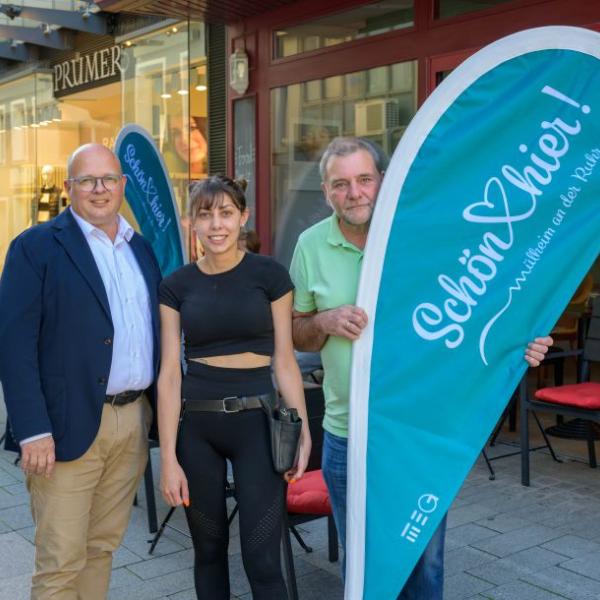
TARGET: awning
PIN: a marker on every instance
(213, 11)
(25, 29)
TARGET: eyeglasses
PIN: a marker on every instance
(88, 183)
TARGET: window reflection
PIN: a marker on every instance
(364, 21)
(451, 8)
(163, 89)
(377, 103)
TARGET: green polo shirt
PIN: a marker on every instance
(325, 270)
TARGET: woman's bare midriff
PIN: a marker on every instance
(245, 360)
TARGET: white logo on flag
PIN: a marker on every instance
(426, 504)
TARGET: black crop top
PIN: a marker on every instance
(230, 312)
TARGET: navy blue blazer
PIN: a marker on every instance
(56, 334)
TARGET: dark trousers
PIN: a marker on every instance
(206, 440)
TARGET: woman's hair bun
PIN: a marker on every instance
(242, 183)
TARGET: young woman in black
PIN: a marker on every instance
(235, 311)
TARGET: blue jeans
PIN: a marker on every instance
(427, 578)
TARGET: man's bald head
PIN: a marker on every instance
(95, 150)
(95, 185)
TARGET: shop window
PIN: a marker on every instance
(451, 8)
(40, 133)
(17, 162)
(377, 103)
(361, 22)
(334, 87)
(30, 176)
(165, 90)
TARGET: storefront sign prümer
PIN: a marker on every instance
(87, 69)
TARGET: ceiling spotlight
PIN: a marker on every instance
(201, 87)
(86, 13)
(165, 96)
(183, 92)
(10, 11)
(34, 125)
(174, 29)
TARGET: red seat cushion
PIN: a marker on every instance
(309, 495)
(580, 395)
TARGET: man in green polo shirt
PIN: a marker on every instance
(325, 269)
(333, 269)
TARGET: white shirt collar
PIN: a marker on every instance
(125, 230)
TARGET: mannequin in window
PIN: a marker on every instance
(48, 204)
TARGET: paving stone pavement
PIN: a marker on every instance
(504, 541)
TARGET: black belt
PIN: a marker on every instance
(123, 397)
(230, 404)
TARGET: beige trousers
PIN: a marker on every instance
(81, 512)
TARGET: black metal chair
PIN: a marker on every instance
(580, 401)
(149, 487)
(553, 359)
(315, 406)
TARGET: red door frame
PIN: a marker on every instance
(435, 44)
(444, 62)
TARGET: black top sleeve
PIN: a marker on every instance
(279, 282)
(168, 293)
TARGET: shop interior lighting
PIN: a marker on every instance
(201, 85)
(174, 30)
(183, 84)
(165, 96)
(55, 114)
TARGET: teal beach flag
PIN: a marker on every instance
(487, 220)
(150, 195)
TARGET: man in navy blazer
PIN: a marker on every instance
(79, 331)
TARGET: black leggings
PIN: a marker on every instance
(206, 439)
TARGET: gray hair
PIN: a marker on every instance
(343, 146)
